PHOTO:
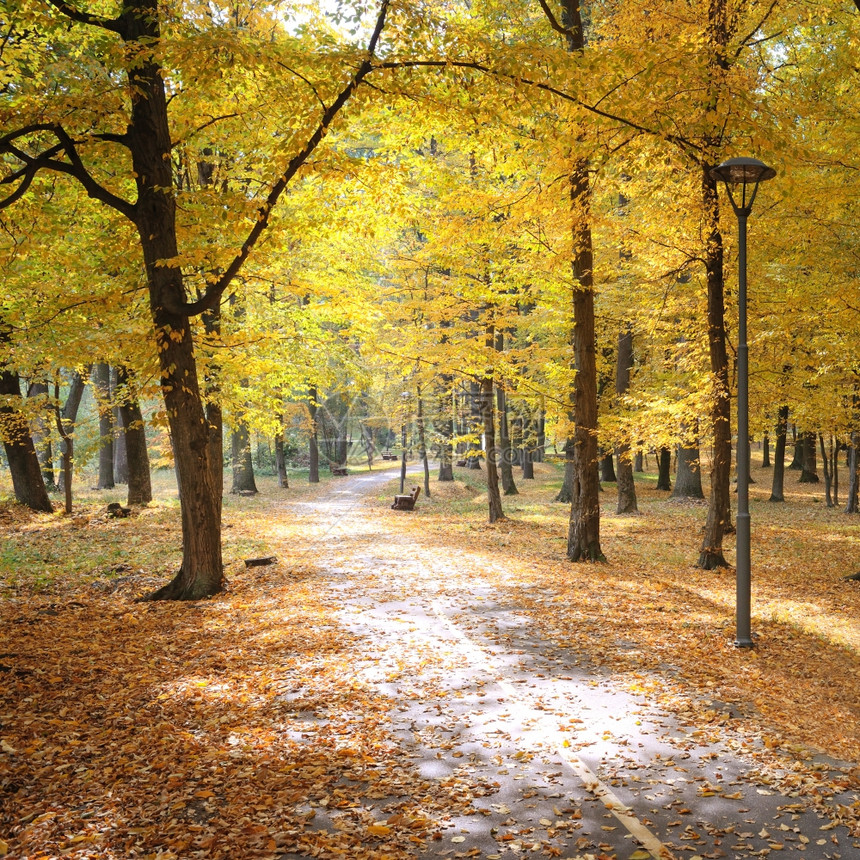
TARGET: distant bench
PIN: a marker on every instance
(406, 502)
(387, 455)
(339, 471)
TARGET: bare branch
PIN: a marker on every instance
(568, 32)
(70, 11)
(213, 294)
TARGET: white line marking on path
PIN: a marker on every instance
(589, 779)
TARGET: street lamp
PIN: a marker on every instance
(742, 177)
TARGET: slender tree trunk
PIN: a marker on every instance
(281, 461)
(69, 416)
(445, 428)
(137, 456)
(101, 383)
(827, 474)
(120, 454)
(21, 454)
(777, 492)
(623, 366)
(718, 522)
(540, 451)
(476, 420)
(664, 469)
(509, 487)
(42, 436)
(796, 464)
(494, 496)
(834, 459)
(313, 444)
(68, 444)
(422, 442)
(851, 505)
(765, 451)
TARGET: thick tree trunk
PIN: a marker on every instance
(24, 465)
(101, 384)
(137, 456)
(688, 473)
(149, 141)
(565, 494)
(313, 443)
(664, 469)
(583, 537)
(623, 366)
(607, 468)
(809, 470)
(851, 504)
(718, 522)
(765, 451)
(777, 492)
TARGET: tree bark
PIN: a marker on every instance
(777, 492)
(688, 474)
(765, 451)
(851, 504)
(313, 444)
(711, 553)
(494, 496)
(809, 470)
(664, 469)
(422, 441)
(26, 471)
(607, 469)
(243, 464)
(137, 456)
(626, 486)
(583, 537)
(42, 437)
(827, 473)
(69, 416)
(120, 454)
(281, 461)
(101, 384)
(445, 427)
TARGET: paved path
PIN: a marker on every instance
(559, 760)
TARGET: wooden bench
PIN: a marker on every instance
(406, 503)
(388, 455)
(339, 471)
(461, 462)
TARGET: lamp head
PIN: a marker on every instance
(743, 174)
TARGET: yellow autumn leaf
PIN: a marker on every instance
(379, 829)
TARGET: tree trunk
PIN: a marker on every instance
(281, 461)
(540, 451)
(476, 420)
(149, 141)
(711, 553)
(445, 428)
(607, 469)
(313, 443)
(21, 454)
(777, 492)
(422, 442)
(688, 474)
(137, 456)
(42, 437)
(809, 471)
(796, 464)
(583, 537)
(243, 464)
(509, 487)
(101, 384)
(69, 416)
(851, 505)
(623, 366)
(827, 474)
(494, 496)
(120, 454)
(664, 469)
(765, 451)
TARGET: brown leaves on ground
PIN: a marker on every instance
(222, 728)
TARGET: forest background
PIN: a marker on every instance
(500, 219)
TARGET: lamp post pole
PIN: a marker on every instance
(744, 175)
